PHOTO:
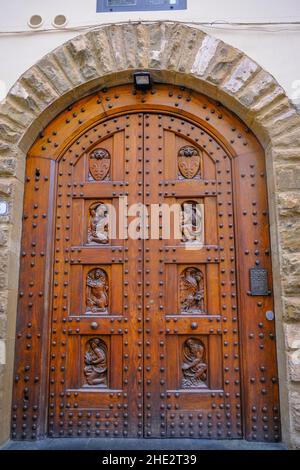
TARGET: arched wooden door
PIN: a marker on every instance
(153, 336)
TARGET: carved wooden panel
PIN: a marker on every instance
(95, 363)
(98, 223)
(144, 337)
(194, 366)
(99, 164)
(189, 162)
(192, 223)
(97, 291)
(191, 291)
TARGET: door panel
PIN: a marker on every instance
(96, 385)
(193, 342)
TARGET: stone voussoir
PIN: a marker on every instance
(103, 55)
(291, 308)
(241, 75)
(288, 177)
(289, 202)
(189, 48)
(257, 89)
(81, 51)
(54, 73)
(205, 56)
(8, 166)
(291, 264)
(39, 87)
(292, 335)
(224, 61)
(24, 99)
(295, 408)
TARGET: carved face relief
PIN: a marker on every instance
(99, 164)
(194, 367)
(95, 360)
(191, 291)
(98, 224)
(97, 291)
(192, 223)
(189, 162)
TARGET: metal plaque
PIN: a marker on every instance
(259, 281)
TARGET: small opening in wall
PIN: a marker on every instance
(35, 21)
(60, 21)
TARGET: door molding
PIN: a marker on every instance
(254, 96)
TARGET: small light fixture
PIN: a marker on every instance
(142, 80)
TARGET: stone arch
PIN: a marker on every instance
(182, 55)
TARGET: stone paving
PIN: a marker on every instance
(140, 444)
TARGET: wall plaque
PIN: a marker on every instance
(259, 281)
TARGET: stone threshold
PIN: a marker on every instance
(140, 444)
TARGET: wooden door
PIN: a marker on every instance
(151, 335)
(191, 337)
(97, 349)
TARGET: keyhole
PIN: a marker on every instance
(37, 173)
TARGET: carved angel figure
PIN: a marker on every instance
(95, 370)
(97, 291)
(98, 226)
(191, 223)
(192, 291)
(194, 369)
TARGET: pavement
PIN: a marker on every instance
(140, 444)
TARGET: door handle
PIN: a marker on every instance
(94, 325)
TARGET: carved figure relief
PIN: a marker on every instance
(191, 291)
(97, 291)
(98, 224)
(194, 368)
(95, 359)
(191, 222)
(189, 162)
(99, 164)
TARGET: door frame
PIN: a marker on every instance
(189, 104)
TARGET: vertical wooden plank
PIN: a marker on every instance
(116, 284)
(173, 362)
(30, 390)
(170, 157)
(77, 295)
(172, 302)
(79, 222)
(215, 362)
(118, 148)
(210, 221)
(212, 297)
(116, 372)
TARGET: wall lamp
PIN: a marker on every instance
(142, 81)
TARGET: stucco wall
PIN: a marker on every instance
(275, 48)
